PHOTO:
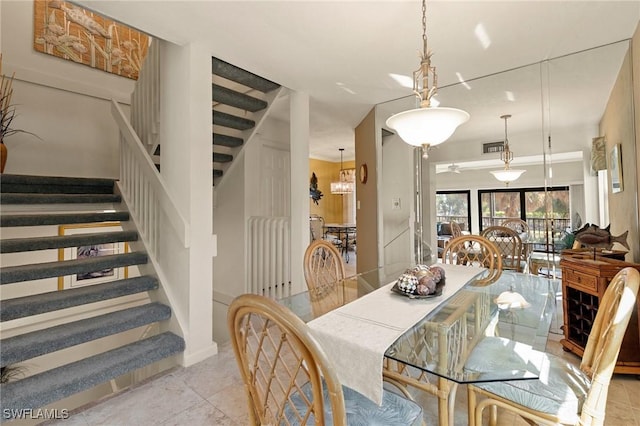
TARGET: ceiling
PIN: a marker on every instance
(343, 53)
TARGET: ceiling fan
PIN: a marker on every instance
(452, 168)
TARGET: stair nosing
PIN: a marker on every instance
(14, 220)
(21, 307)
(17, 245)
(36, 271)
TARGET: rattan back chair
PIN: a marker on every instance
(563, 394)
(456, 231)
(288, 378)
(508, 243)
(474, 250)
(323, 272)
(518, 225)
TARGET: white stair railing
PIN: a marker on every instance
(145, 100)
(144, 189)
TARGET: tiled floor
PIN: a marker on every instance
(211, 393)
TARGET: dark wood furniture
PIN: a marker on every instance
(584, 280)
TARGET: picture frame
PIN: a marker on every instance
(69, 253)
(615, 168)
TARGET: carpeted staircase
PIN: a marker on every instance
(238, 98)
(29, 202)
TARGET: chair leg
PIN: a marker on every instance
(493, 415)
(471, 406)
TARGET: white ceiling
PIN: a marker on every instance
(342, 53)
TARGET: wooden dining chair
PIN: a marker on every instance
(288, 378)
(509, 245)
(565, 394)
(323, 272)
(474, 250)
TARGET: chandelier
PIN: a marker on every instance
(344, 185)
(507, 174)
(426, 126)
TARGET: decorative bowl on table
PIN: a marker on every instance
(420, 282)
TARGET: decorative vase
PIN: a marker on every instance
(3, 156)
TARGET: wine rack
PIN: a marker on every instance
(584, 281)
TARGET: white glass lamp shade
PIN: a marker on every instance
(427, 126)
(507, 175)
(342, 187)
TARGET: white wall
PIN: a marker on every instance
(397, 200)
(64, 103)
(235, 202)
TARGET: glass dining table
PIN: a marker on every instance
(452, 343)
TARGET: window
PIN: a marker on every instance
(546, 213)
(454, 206)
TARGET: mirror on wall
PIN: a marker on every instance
(556, 110)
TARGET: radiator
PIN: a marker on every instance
(269, 257)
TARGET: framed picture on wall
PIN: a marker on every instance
(615, 166)
(92, 277)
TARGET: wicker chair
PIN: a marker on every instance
(288, 378)
(456, 231)
(565, 394)
(323, 271)
(509, 245)
(518, 225)
(474, 250)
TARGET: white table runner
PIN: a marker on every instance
(356, 336)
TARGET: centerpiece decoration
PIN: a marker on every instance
(421, 281)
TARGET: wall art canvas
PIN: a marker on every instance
(70, 32)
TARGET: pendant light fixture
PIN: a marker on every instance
(426, 126)
(344, 185)
(507, 174)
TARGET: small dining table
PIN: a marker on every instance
(343, 231)
(448, 345)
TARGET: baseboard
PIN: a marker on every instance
(194, 358)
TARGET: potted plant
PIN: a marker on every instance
(7, 114)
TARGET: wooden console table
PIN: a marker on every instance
(584, 281)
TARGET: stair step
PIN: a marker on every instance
(21, 307)
(36, 271)
(39, 184)
(27, 198)
(30, 345)
(14, 245)
(222, 158)
(60, 219)
(217, 173)
(228, 120)
(235, 99)
(225, 140)
(52, 385)
(233, 73)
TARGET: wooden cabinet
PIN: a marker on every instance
(584, 280)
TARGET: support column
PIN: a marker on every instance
(299, 128)
(187, 170)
